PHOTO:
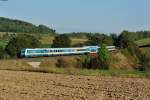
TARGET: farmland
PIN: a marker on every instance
(32, 86)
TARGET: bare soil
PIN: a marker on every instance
(17, 85)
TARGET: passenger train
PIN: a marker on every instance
(42, 52)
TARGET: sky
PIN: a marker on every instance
(103, 16)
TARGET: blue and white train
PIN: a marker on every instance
(43, 52)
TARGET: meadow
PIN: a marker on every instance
(143, 42)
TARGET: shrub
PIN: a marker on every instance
(88, 62)
(61, 63)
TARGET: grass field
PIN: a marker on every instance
(143, 42)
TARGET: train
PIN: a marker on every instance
(46, 52)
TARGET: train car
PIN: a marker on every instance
(40, 52)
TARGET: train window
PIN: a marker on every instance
(59, 50)
(93, 50)
(81, 50)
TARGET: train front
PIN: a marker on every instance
(23, 53)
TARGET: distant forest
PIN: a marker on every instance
(18, 26)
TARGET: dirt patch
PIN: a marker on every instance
(17, 85)
(34, 64)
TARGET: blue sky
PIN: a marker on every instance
(105, 16)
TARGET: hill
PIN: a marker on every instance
(18, 26)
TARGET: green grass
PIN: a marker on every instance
(143, 42)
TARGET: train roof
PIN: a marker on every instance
(71, 47)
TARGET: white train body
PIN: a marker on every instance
(39, 52)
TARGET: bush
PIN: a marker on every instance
(19, 42)
(61, 63)
(89, 62)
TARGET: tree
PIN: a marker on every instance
(19, 42)
(114, 39)
(123, 39)
(97, 38)
(61, 41)
(103, 56)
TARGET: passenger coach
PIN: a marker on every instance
(40, 52)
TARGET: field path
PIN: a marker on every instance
(17, 85)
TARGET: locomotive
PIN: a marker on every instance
(45, 52)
